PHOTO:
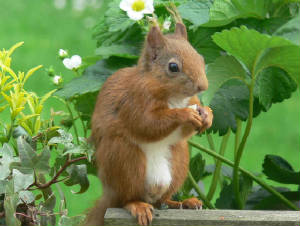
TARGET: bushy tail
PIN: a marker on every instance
(95, 216)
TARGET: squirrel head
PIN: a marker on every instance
(173, 62)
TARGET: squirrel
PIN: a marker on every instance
(141, 124)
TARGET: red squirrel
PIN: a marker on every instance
(141, 124)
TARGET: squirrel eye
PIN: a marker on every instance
(173, 67)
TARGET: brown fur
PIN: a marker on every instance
(132, 107)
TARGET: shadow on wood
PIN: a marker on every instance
(119, 217)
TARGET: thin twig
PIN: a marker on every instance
(54, 179)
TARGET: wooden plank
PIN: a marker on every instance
(119, 217)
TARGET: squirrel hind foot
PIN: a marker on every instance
(142, 211)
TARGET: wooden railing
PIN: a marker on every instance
(119, 217)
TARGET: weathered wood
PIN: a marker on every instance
(119, 217)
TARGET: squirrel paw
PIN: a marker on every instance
(207, 117)
(192, 203)
(142, 211)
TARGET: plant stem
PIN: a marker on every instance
(73, 120)
(10, 129)
(237, 135)
(210, 141)
(239, 153)
(83, 125)
(248, 173)
(217, 171)
(199, 192)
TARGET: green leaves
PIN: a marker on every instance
(224, 12)
(290, 30)
(78, 175)
(227, 199)
(223, 69)
(7, 157)
(278, 169)
(92, 78)
(21, 180)
(30, 159)
(197, 12)
(247, 45)
(229, 102)
(273, 85)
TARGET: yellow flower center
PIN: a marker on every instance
(138, 5)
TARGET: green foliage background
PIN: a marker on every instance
(275, 132)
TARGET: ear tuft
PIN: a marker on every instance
(155, 38)
(180, 30)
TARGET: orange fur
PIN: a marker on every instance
(132, 108)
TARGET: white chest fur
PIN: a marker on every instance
(158, 154)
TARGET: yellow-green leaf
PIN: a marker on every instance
(9, 70)
(37, 125)
(31, 71)
(12, 49)
(46, 96)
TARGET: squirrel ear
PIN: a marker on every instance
(155, 38)
(180, 30)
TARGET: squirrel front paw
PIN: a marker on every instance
(207, 117)
(189, 115)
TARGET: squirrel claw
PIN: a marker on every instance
(142, 211)
(192, 203)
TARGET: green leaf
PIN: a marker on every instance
(42, 164)
(286, 58)
(19, 131)
(7, 157)
(273, 85)
(249, 45)
(27, 154)
(278, 169)
(92, 78)
(71, 221)
(224, 12)
(22, 181)
(116, 18)
(201, 40)
(30, 159)
(26, 197)
(264, 200)
(64, 138)
(10, 206)
(78, 175)
(85, 104)
(290, 30)
(219, 72)
(226, 199)
(120, 50)
(229, 102)
(197, 165)
(3, 184)
(196, 12)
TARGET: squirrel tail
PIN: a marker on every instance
(95, 215)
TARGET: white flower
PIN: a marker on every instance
(72, 63)
(57, 79)
(166, 25)
(137, 8)
(62, 53)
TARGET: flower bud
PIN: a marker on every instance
(57, 80)
(62, 53)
